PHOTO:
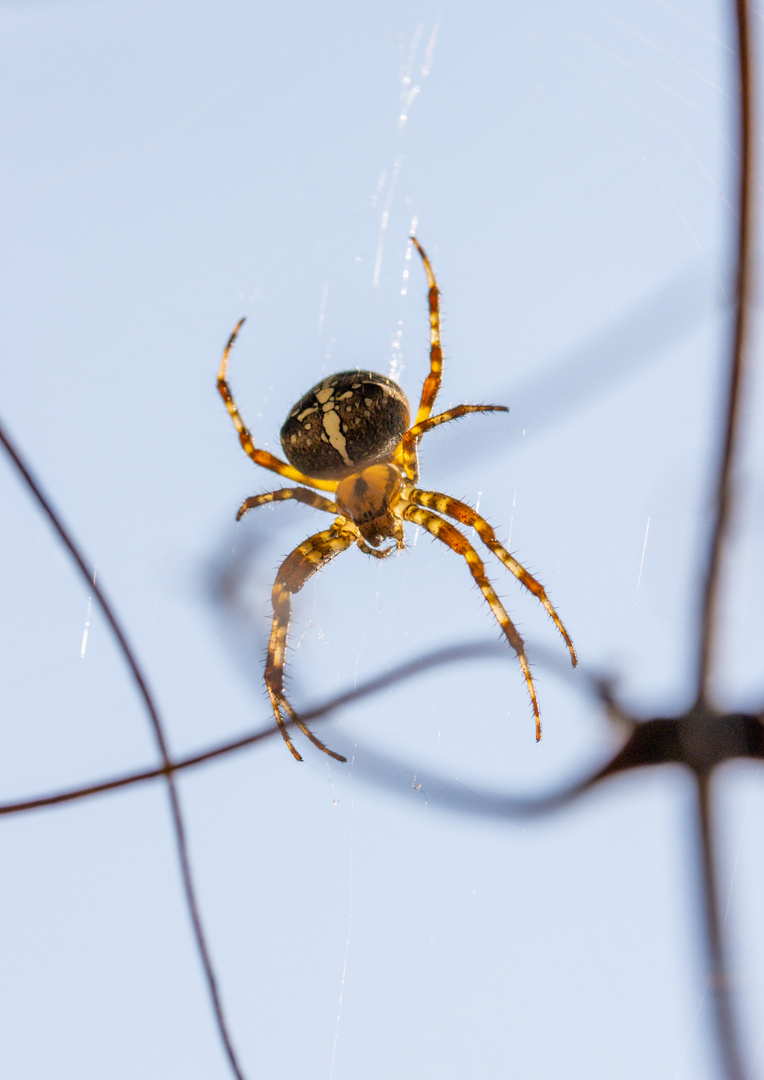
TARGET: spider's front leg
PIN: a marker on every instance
(447, 534)
(298, 567)
(445, 504)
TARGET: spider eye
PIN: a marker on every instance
(344, 423)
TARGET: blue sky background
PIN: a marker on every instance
(169, 167)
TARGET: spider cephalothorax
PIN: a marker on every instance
(351, 436)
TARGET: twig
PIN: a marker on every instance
(167, 768)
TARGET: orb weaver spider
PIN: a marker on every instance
(350, 435)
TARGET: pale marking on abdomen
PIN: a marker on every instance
(336, 438)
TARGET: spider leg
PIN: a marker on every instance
(378, 554)
(260, 457)
(406, 452)
(449, 535)
(432, 382)
(299, 494)
(297, 568)
(444, 504)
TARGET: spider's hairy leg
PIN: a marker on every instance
(432, 382)
(299, 494)
(444, 504)
(376, 552)
(297, 568)
(260, 457)
(449, 535)
(406, 451)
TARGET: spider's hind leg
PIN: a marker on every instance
(432, 382)
(298, 567)
(260, 457)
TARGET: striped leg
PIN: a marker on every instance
(406, 452)
(451, 536)
(298, 567)
(432, 382)
(299, 494)
(260, 457)
(378, 553)
(444, 504)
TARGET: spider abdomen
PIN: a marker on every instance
(344, 423)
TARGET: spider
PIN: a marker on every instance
(350, 436)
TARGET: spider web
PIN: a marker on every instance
(571, 172)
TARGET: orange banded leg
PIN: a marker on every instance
(444, 504)
(406, 455)
(378, 553)
(432, 382)
(299, 494)
(448, 534)
(297, 568)
(260, 457)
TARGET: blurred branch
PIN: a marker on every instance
(408, 670)
(744, 244)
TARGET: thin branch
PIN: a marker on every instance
(745, 239)
(167, 769)
(723, 1014)
(474, 651)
